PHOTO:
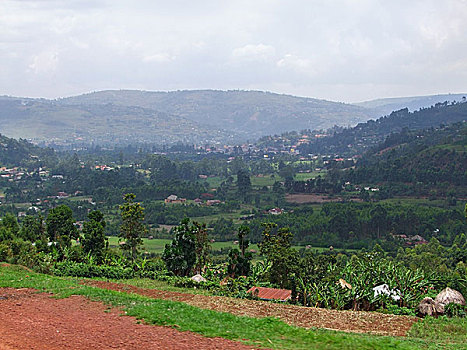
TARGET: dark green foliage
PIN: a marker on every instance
(189, 250)
(433, 158)
(61, 226)
(243, 183)
(358, 225)
(239, 263)
(180, 255)
(94, 241)
(455, 310)
(32, 229)
(78, 269)
(8, 227)
(202, 246)
(132, 228)
(357, 139)
(276, 247)
(22, 153)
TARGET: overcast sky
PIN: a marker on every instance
(332, 49)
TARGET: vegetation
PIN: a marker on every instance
(132, 228)
(258, 332)
(390, 224)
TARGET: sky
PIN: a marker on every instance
(339, 50)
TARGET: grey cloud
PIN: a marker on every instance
(337, 49)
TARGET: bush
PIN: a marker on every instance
(455, 310)
(77, 269)
(5, 252)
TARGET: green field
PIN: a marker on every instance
(307, 176)
(156, 246)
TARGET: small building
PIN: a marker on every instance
(174, 199)
(275, 211)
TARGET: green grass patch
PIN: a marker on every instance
(442, 330)
(266, 180)
(307, 176)
(266, 332)
(157, 245)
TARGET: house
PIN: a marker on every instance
(174, 199)
(275, 211)
(210, 202)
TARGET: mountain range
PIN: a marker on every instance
(196, 116)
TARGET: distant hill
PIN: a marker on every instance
(385, 106)
(360, 138)
(46, 120)
(248, 113)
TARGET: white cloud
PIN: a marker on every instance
(294, 62)
(259, 52)
(44, 62)
(159, 58)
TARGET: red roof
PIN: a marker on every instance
(271, 293)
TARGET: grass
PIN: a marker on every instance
(436, 329)
(266, 180)
(157, 245)
(307, 176)
(266, 332)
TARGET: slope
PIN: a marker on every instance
(384, 106)
(251, 113)
(358, 139)
(45, 120)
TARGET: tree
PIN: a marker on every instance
(189, 249)
(8, 227)
(94, 240)
(132, 228)
(32, 228)
(180, 255)
(61, 226)
(240, 260)
(202, 246)
(243, 183)
(276, 247)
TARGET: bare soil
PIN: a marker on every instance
(36, 321)
(308, 317)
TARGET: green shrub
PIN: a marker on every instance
(455, 310)
(77, 269)
(5, 252)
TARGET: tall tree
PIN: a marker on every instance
(189, 250)
(61, 226)
(240, 259)
(243, 183)
(32, 228)
(202, 246)
(132, 228)
(180, 255)
(94, 240)
(276, 247)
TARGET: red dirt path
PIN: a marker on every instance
(35, 321)
(308, 317)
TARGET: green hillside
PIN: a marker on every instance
(364, 136)
(435, 156)
(22, 153)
